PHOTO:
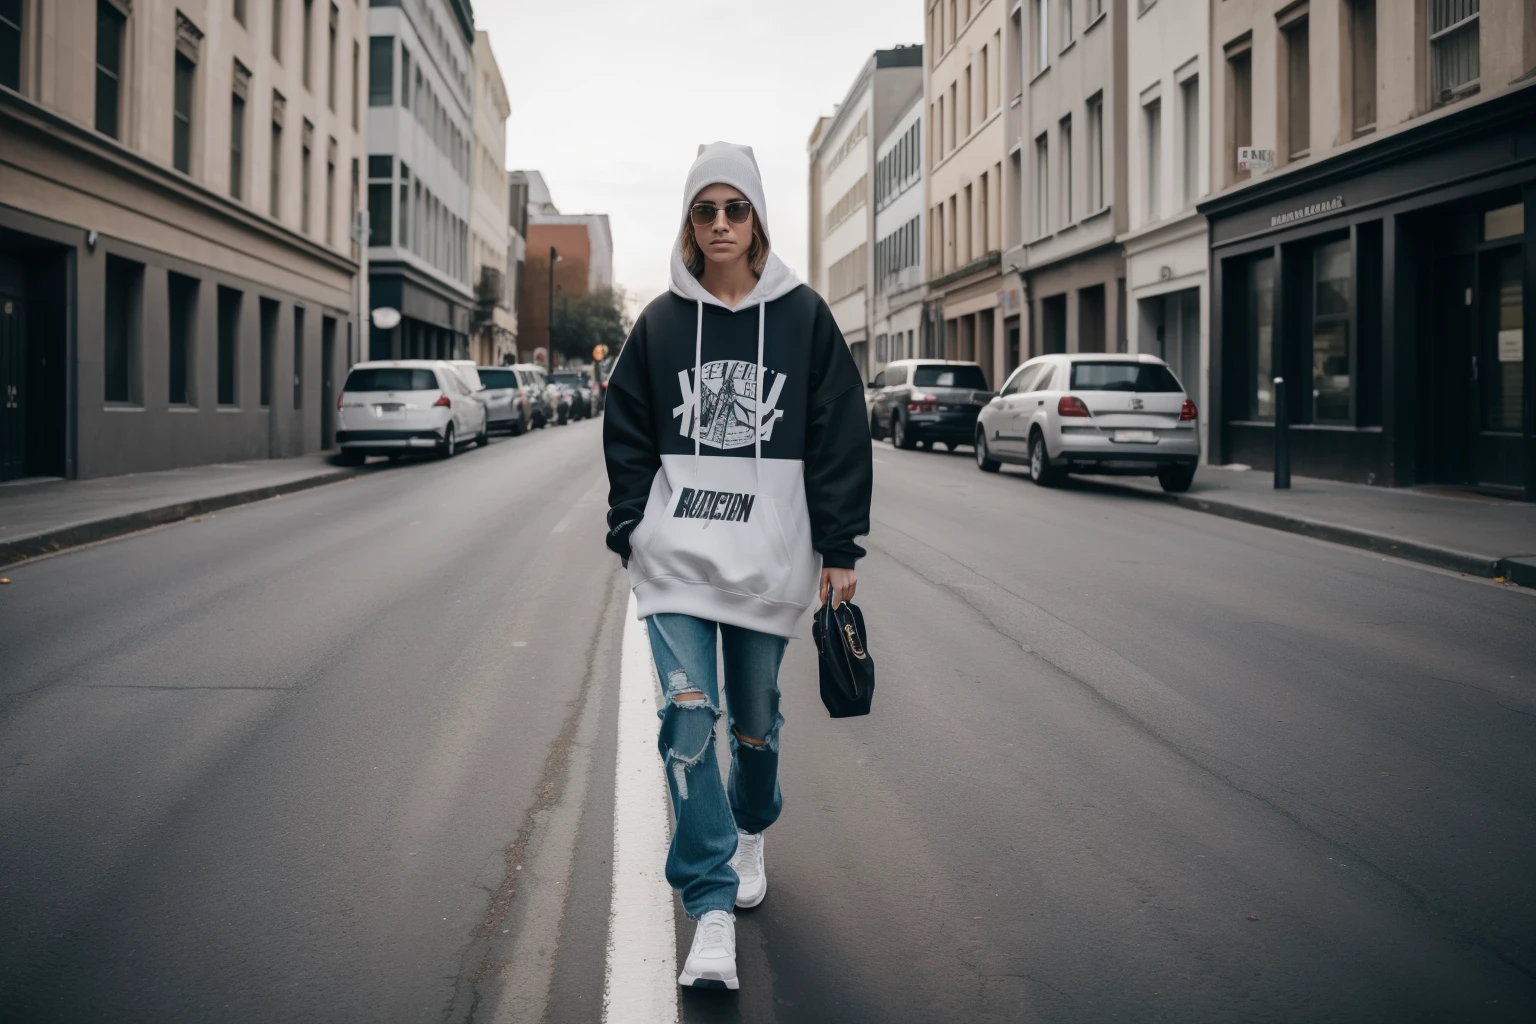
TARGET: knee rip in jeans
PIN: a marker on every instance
(688, 723)
(740, 739)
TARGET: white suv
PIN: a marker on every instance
(395, 406)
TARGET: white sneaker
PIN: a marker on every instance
(748, 862)
(712, 960)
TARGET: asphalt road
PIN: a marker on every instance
(349, 756)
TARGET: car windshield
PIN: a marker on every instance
(950, 377)
(575, 379)
(498, 378)
(390, 378)
(1141, 377)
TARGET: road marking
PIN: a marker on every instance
(585, 502)
(640, 986)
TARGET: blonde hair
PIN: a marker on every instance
(757, 252)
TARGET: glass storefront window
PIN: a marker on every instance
(1505, 385)
(1332, 377)
(1261, 332)
(1505, 222)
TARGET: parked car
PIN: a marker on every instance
(926, 401)
(505, 403)
(1092, 413)
(541, 407)
(391, 407)
(577, 387)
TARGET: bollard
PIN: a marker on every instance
(1282, 438)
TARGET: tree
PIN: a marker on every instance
(583, 322)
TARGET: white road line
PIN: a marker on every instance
(640, 986)
(585, 502)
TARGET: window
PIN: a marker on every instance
(304, 176)
(1362, 65)
(181, 135)
(401, 379)
(848, 202)
(240, 12)
(237, 146)
(405, 77)
(269, 308)
(1240, 106)
(309, 40)
(1261, 338)
(848, 274)
(357, 81)
(277, 30)
(381, 70)
(1139, 378)
(1504, 383)
(1189, 159)
(954, 115)
(1153, 115)
(330, 61)
(982, 84)
(330, 195)
(275, 169)
(1096, 153)
(298, 357)
(1066, 23)
(10, 43)
(120, 355)
(109, 66)
(970, 103)
(983, 217)
(379, 222)
(942, 376)
(405, 205)
(1042, 187)
(1096, 8)
(182, 308)
(1298, 89)
(229, 344)
(1065, 141)
(1332, 379)
(1042, 17)
(1454, 57)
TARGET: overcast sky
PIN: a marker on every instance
(611, 98)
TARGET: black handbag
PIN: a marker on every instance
(847, 668)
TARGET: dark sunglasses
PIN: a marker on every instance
(736, 211)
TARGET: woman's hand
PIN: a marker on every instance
(841, 582)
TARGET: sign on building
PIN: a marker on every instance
(1256, 160)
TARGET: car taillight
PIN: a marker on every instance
(1189, 412)
(442, 400)
(921, 403)
(338, 400)
(1071, 405)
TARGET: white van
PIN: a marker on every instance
(388, 407)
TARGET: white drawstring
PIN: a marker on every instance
(757, 414)
(698, 387)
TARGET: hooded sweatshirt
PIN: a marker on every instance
(736, 440)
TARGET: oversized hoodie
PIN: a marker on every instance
(736, 440)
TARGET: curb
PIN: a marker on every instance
(1518, 570)
(75, 535)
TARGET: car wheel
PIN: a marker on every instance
(484, 437)
(448, 445)
(516, 427)
(1040, 469)
(901, 437)
(984, 460)
(874, 428)
(1176, 479)
(351, 458)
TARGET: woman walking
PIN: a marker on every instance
(739, 472)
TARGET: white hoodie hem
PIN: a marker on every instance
(670, 594)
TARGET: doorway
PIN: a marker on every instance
(34, 405)
(1170, 330)
(327, 382)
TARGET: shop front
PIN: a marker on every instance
(1389, 288)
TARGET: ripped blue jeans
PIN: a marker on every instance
(705, 814)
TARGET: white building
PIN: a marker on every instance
(1168, 171)
(842, 168)
(490, 242)
(900, 269)
(420, 112)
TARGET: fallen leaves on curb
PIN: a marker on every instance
(5, 579)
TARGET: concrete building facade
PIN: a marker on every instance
(841, 155)
(1371, 242)
(966, 147)
(420, 157)
(178, 279)
(495, 326)
(900, 272)
(1070, 158)
(1167, 172)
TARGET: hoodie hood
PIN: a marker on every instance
(729, 164)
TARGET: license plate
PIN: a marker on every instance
(943, 408)
(389, 409)
(1135, 437)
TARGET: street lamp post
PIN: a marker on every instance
(549, 341)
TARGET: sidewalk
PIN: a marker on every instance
(50, 515)
(1465, 532)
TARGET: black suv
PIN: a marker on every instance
(913, 401)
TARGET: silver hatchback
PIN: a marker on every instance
(1092, 413)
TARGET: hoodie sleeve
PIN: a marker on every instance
(629, 441)
(839, 471)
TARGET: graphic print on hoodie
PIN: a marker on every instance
(736, 441)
